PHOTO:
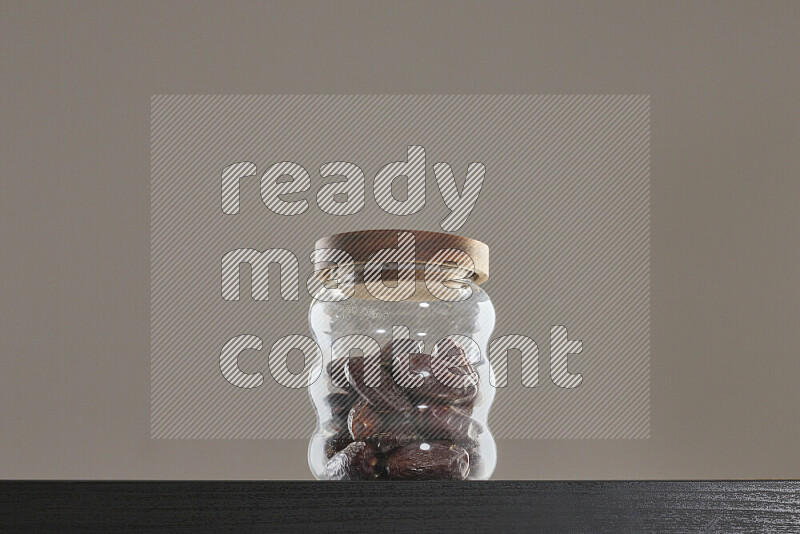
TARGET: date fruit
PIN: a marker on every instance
(357, 461)
(473, 449)
(386, 430)
(428, 460)
(428, 367)
(364, 373)
(364, 421)
(340, 405)
(337, 442)
(441, 421)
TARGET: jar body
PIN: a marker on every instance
(416, 423)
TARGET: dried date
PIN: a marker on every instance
(433, 389)
(337, 442)
(374, 383)
(340, 405)
(445, 422)
(357, 461)
(473, 449)
(428, 460)
(363, 421)
(386, 430)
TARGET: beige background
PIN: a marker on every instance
(76, 84)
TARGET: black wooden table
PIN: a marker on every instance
(714, 506)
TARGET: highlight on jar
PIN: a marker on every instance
(404, 387)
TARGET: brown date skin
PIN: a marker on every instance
(387, 395)
(357, 461)
(336, 368)
(445, 422)
(432, 389)
(430, 460)
(473, 449)
(364, 421)
(386, 430)
(337, 442)
(340, 405)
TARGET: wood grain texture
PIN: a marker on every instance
(734, 506)
(361, 245)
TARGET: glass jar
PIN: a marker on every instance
(404, 388)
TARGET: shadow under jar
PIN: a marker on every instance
(405, 386)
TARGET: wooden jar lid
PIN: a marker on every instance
(363, 244)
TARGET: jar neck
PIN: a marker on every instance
(394, 272)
